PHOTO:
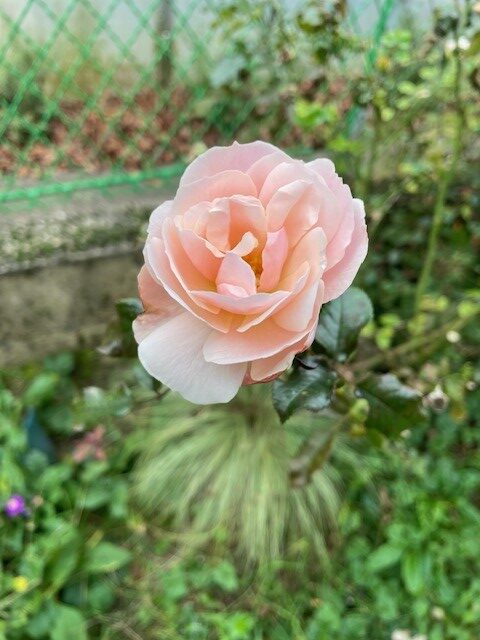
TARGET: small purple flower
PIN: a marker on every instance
(15, 506)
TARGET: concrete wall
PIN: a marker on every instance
(59, 307)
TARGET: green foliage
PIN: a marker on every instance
(393, 406)
(405, 557)
(341, 321)
(55, 552)
(358, 515)
(309, 386)
(225, 472)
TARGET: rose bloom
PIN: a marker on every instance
(238, 265)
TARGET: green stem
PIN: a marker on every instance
(446, 177)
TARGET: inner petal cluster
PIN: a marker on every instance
(233, 231)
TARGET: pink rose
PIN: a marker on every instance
(237, 267)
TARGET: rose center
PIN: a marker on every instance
(254, 259)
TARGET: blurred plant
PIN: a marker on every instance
(56, 562)
(267, 47)
(15, 506)
(234, 468)
(225, 473)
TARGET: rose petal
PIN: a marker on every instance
(251, 304)
(237, 156)
(172, 353)
(158, 216)
(246, 245)
(144, 324)
(296, 315)
(201, 253)
(153, 295)
(340, 277)
(217, 229)
(273, 258)
(234, 270)
(341, 239)
(286, 173)
(159, 266)
(261, 341)
(262, 167)
(296, 208)
(311, 248)
(222, 185)
(291, 285)
(266, 368)
(246, 214)
(181, 264)
(196, 218)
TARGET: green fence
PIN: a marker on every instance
(97, 93)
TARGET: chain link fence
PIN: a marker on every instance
(98, 93)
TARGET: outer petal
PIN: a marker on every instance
(262, 167)
(158, 216)
(158, 305)
(153, 295)
(341, 239)
(297, 315)
(172, 353)
(222, 185)
(266, 368)
(261, 341)
(340, 277)
(145, 323)
(237, 156)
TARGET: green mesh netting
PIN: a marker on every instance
(97, 93)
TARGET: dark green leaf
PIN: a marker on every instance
(128, 309)
(123, 342)
(304, 389)
(341, 322)
(393, 405)
(106, 557)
